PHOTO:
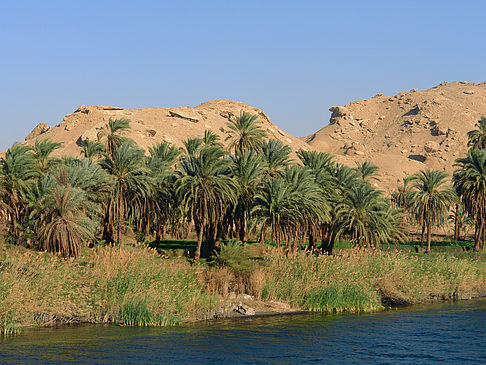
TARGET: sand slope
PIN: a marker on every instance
(406, 132)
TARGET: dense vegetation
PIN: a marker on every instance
(253, 189)
(249, 189)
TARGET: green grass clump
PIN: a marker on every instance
(234, 255)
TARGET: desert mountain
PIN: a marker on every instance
(406, 132)
(151, 125)
(401, 134)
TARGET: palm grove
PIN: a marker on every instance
(251, 188)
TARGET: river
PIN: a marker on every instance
(450, 333)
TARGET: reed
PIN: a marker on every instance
(122, 285)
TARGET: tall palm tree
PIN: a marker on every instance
(205, 189)
(367, 171)
(275, 155)
(42, 154)
(93, 150)
(245, 132)
(17, 173)
(367, 217)
(131, 182)
(321, 165)
(247, 171)
(308, 202)
(193, 145)
(336, 189)
(211, 139)
(477, 137)
(431, 198)
(60, 221)
(111, 132)
(273, 208)
(88, 176)
(470, 184)
(159, 207)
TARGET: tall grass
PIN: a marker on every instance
(136, 286)
(123, 285)
(357, 280)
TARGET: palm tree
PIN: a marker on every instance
(61, 224)
(470, 184)
(431, 198)
(17, 173)
(205, 189)
(245, 133)
(159, 207)
(367, 217)
(93, 150)
(309, 205)
(367, 171)
(211, 139)
(131, 183)
(321, 165)
(42, 152)
(193, 145)
(272, 207)
(111, 131)
(88, 176)
(477, 137)
(275, 155)
(336, 189)
(247, 171)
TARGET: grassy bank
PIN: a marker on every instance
(138, 286)
(128, 286)
(358, 280)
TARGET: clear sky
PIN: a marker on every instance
(293, 59)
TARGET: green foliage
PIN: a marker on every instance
(477, 137)
(245, 133)
(235, 256)
(111, 134)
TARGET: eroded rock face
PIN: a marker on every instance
(405, 132)
(337, 113)
(431, 147)
(154, 125)
(39, 129)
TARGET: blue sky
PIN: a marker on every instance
(293, 59)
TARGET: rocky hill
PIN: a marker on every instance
(406, 132)
(401, 134)
(151, 125)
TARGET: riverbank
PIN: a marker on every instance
(138, 286)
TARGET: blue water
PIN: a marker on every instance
(449, 333)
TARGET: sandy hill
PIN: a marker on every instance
(406, 132)
(401, 134)
(151, 125)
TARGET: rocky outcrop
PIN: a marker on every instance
(152, 125)
(39, 129)
(405, 132)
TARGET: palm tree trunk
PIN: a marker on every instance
(189, 229)
(478, 234)
(242, 228)
(423, 233)
(483, 236)
(428, 235)
(330, 246)
(119, 216)
(312, 241)
(164, 230)
(261, 240)
(456, 223)
(200, 231)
